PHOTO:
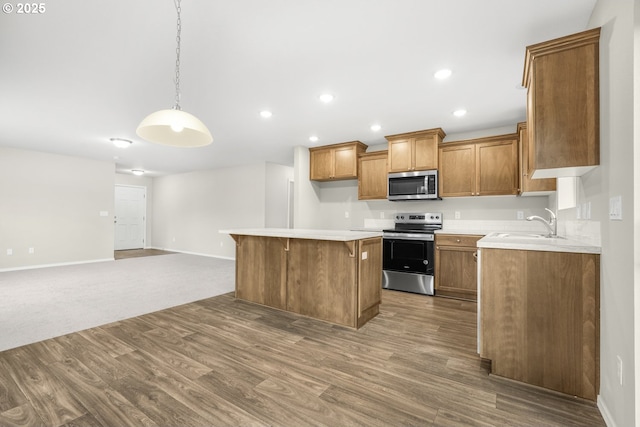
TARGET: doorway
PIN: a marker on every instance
(130, 217)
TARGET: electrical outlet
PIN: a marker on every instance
(619, 369)
(346, 214)
(381, 215)
(520, 215)
(457, 214)
(9, 251)
(31, 250)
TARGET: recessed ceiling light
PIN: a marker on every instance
(266, 114)
(313, 138)
(442, 74)
(137, 172)
(376, 127)
(326, 98)
(120, 142)
(460, 113)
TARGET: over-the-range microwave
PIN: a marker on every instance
(416, 185)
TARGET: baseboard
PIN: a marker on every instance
(604, 411)
(59, 264)
(193, 253)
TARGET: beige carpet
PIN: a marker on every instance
(48, 302)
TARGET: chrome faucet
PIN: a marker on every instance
(551, 224)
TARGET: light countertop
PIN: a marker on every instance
(298, 233)
(526, 241)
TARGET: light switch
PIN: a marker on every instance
(365, 255)
(104, 213)
(615, 208)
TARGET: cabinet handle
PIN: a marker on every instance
(475, 256)
(457, 240)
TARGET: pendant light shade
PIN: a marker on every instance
(175, 128)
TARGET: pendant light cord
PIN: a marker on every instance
(179, 30)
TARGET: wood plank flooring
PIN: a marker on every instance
(225, 362)
(136, 253)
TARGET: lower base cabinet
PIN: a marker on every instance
(339, 282)
(539, 318)
(456, 266)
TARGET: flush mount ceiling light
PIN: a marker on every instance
(326, 98)
(266, 114)
(120, 142)
(137, 172)
(460, 113)
(376, 127)
(175, 127)
(313, 138)
(442, 74)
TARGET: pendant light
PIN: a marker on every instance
(173, 126)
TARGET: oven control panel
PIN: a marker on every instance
(419, 218)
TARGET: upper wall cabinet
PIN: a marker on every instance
(562, 81)
(414, 151)
(334, 162)
(528, 186)
(372, 176)
(479, 167)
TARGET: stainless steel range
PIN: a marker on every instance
(409, 253)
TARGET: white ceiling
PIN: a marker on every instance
(88, 70)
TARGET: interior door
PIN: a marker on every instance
(130, 213)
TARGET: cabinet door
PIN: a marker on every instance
(497, 168)
(456, 266)
(425, 153)
(400, 155)
(563, 104)
(345, 163)
(528, 185)
(321, 164)
(372, 176)
(457, 171)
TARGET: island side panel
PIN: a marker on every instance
(369, 279)
(261, 270)
(322, 279)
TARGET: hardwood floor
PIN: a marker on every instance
(135, 253)
(225, 362)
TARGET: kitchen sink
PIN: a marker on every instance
(524, 236)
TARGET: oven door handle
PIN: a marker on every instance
(405, 236)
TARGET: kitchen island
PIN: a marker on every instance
(331, 275)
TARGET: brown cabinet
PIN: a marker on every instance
(334, 162)
(539, 318)
(562, 81)
(528, 185)
(372, 176)
(456, 266)
(479, 167)
(414, 151)
(339, 282)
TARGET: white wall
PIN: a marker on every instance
(277, 178)
(189, 209)
(614, 177)
(146, 182)
(52, 203)
(306, 199)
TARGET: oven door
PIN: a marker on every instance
(409, 254)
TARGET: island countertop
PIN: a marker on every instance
(301, 233)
